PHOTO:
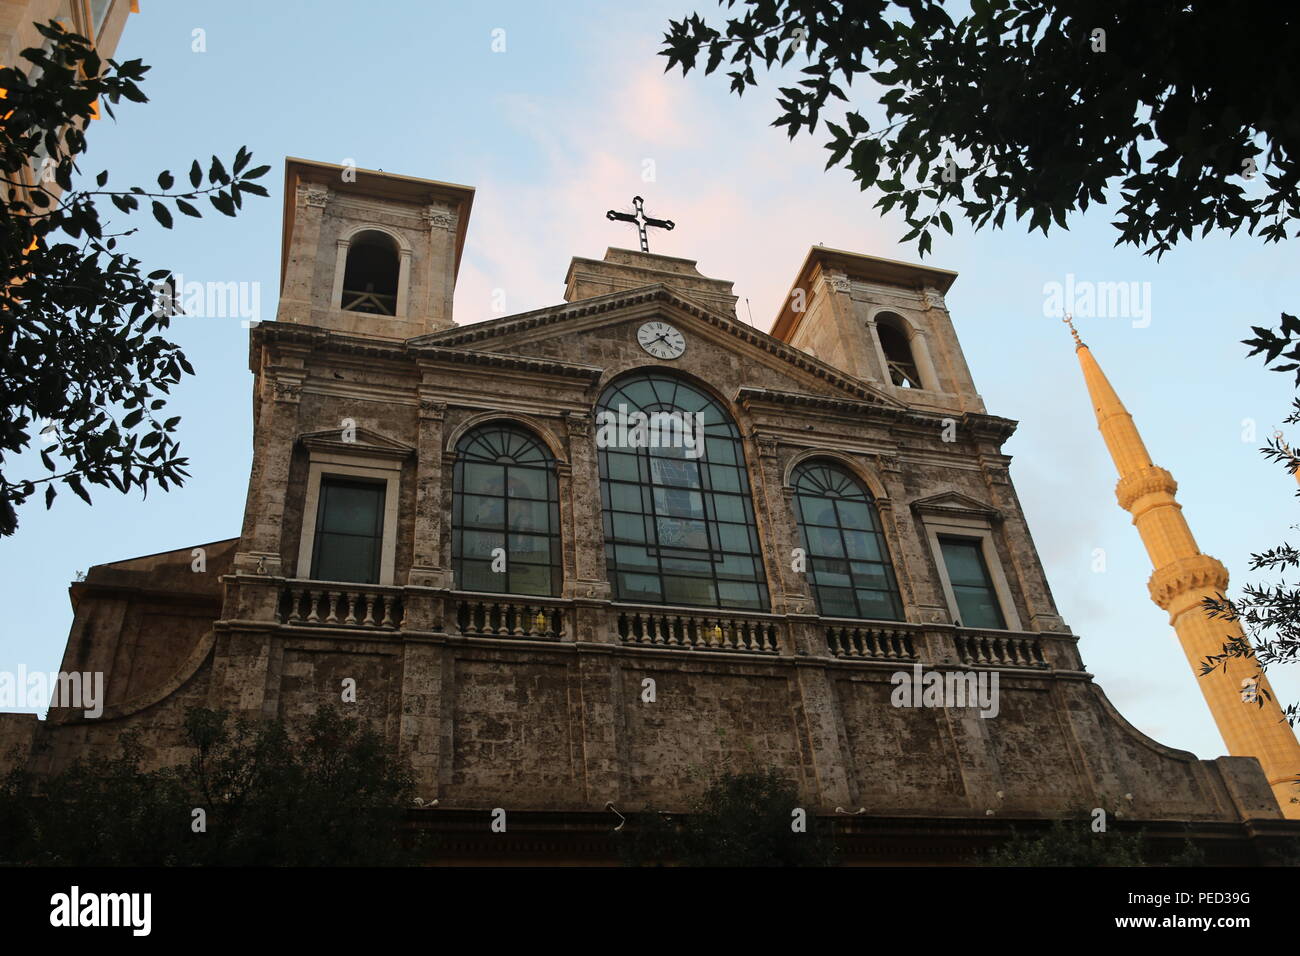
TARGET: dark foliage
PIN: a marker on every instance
(742, 819)
(1170, 111)
(80, 358)
(331, 798)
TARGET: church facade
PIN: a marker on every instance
(581, 557)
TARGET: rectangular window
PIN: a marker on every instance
(349, 530)
(977, 602)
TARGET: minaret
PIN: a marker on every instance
(1183, 578)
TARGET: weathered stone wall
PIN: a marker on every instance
(550, 727)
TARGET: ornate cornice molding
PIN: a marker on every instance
(521, 363)
(750, 395)
(314, 337)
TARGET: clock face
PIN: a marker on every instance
(661, 340)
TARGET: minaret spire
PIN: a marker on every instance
(1183, 578)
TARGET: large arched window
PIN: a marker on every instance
(505, 496)
(848, 563)
(371, 273)
(679, 522)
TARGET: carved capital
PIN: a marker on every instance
(315, 196)
(933, 299)
(997, 474)
(1200, 572)
(432, 410)
(578, 424)
(287, 391)
(837, 281)
(767, 444)
(1145, 481)
(437, 218)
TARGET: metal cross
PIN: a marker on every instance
(640, 220)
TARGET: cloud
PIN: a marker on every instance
(713, 167)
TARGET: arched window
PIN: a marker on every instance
(848, 562)
(505, 496)
(898, 351)
(679, 522)
(371, 274)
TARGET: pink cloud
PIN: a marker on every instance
(747, 201)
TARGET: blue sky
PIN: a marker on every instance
(559, 127)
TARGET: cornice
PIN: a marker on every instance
(749, 395)
(524, 363)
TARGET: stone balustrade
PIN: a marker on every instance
(516, 617)
(697, 629)
(1000, 649)
(875, 642)
(372, 607)
(326, 605)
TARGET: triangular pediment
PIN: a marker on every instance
(357, 441)
(953, 503)
(533, 336)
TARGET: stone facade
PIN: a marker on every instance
(548, 720)
(101, 21)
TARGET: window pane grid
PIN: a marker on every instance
(679, 530)
(505, 495)
(349, 530)
(972, 587)
(848, 561)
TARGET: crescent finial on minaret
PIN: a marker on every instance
(1069, 320)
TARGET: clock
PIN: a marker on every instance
(661, 340)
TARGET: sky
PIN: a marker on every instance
(557, 112)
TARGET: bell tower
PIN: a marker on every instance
(883, 321)
(369, 252)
